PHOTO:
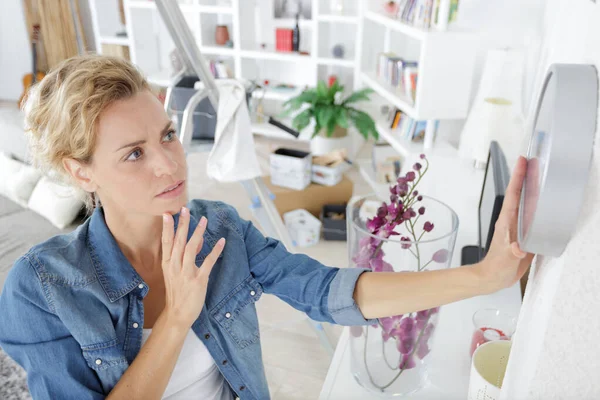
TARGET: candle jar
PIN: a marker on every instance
(491, 324)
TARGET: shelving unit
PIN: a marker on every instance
(445, 59)
(150, 45)
(445, 71)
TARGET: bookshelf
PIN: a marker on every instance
(445, 58)
(446, 61)
(150, 45)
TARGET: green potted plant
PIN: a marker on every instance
(332, 116)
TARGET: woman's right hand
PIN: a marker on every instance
(185, 283)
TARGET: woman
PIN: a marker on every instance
(105, 311)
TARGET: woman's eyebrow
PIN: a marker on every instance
(138, 142)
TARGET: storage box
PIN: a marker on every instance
(312, 199)
(303, 227)
(334, 228)
(328, 170)
(290, 168)
(283, 39)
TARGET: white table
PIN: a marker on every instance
(456, 183)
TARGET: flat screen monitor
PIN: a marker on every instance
(494, 186)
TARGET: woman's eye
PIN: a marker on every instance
(134, 155)
(170, 135)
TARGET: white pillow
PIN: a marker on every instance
(21, 185)
(8, 168)
(57, 203)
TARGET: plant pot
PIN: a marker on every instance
(322, 144)
(221, 35)
(391, 357)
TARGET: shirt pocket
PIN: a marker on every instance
(236, 313)
(108, 360)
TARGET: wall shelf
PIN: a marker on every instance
(394, 96)
(122, 41)
(346, 19)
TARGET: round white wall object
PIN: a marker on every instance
(558, 158)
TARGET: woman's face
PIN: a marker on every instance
(138, 157)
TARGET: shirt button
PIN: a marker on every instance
(228, 315)
(135, 325)
(207, 336)
(98, 361)
(252, 293)
(141, 286)
(237, 398)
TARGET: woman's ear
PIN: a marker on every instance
(81, 174)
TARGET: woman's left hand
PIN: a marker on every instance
(505, 263)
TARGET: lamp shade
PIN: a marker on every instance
(496, 112)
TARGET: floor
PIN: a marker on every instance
(295, 362)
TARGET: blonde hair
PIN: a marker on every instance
(61, 111)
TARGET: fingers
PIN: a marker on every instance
(181, 235)
(516, 250)
(167, 238)
(195, 244)
(512, 197)
(212, 258)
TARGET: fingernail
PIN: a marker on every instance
(184, 211)
(203, 221)
(165, 218)
(221, 242)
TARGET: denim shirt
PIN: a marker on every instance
(72, 311)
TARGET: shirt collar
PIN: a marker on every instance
(115, 273)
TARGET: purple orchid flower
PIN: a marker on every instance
(440, 256)
(356, 331)
(405, 245)
(428, 226)
(405, 346)
(423, 350)
(407, 362)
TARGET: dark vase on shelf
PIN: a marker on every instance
(296, 36)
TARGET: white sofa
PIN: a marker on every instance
(20, 229)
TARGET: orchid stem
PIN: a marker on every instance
(416, 345)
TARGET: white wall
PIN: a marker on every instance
(15, 50)
(555, 350)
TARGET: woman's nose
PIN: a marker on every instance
(164, 163)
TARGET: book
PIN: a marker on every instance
(396, 120)
(419, 133)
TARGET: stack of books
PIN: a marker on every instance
(398, 73)
(407, 128)
(219, 69)
(423, 13)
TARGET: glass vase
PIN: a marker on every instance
(390, 358)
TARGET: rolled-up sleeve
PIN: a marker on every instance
(40, 343)
(324, 293)
(341, 304)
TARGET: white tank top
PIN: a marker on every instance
(195, 375)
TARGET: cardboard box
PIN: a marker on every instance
(291, 168)
(312, 199)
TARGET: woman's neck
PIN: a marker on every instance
(138, 236)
